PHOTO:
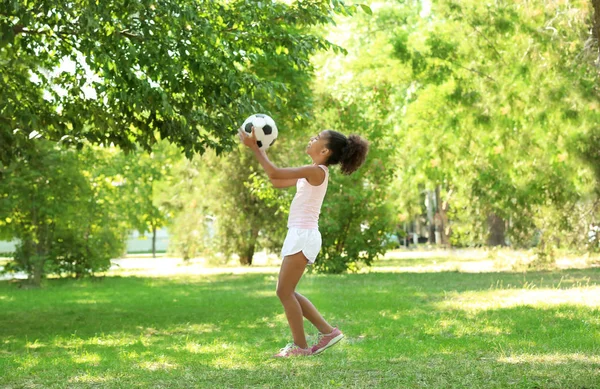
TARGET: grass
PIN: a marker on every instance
(405, 329)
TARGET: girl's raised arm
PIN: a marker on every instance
(313, 174)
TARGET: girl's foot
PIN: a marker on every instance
(291, 350)
(327, 340)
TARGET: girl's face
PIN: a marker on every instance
(317, 145)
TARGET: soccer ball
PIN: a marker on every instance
(265, 129)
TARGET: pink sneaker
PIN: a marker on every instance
(326, 341)
(291, 350)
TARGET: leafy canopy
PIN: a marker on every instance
(126, 72)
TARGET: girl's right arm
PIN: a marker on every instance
(283, 183)
(313, 174)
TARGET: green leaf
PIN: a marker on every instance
(366, 9)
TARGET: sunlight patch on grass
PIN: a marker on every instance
(28, 361)
(197, 348)
(192, 348)
(263, 293)
(400, 261)
(469, 261)
(129, 355)
(87, 358)
(434, 265)
(553, 359)
(91, 301)
(188, 328)
(223, 354)
(494, 299)
(162, 363)
(450, 328)
(232, 362)
(91, 379)
(264, 322)
(146, 336)
(389, 314)
(194, 268)
(35, 345)
(106, 340)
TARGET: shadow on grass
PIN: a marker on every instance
(413, 329)
(87, 308)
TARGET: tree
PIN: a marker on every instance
(242, 213)
(142, 174)
(357, 215)
(595, 36)
(191, 199)
(61, 206)
(490, 109)
(128, 73)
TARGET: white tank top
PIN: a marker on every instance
(306, 206)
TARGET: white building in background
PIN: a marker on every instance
(142, 243)
(7, 247)
(136, 243)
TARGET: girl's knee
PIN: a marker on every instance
(284, 293)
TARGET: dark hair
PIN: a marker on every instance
(350, 151)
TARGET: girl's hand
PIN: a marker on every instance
(248, 140)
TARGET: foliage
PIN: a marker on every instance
(243, 211)
(60, 205)
(487, 111)
(142, 177)
(356, 216)
(355, 96)
(587, 146)
(189, 198)
(128, 73)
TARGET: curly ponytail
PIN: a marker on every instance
(350, 152)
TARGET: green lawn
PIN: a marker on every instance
(404, 330)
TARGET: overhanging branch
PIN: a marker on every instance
(20, 29)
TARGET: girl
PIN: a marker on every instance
(303, 240)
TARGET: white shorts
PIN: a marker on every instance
(307, 241)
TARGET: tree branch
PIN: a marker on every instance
(475, 71)
(489, 43)
(20, 29)
(130, 35)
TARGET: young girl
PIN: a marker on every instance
(303, 240)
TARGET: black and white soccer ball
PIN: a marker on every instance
(265, 129)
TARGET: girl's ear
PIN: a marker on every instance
(325, 151)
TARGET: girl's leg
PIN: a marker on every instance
(291, 270)
(310, 312)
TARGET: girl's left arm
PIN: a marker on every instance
(277, 173)
(313, 174)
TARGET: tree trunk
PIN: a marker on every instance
(596, 27)
(37, 261)
(153, 241)
(247, 255)
(430, 217)
(441, 218)
(248, 251)
(497, 230)
(38, 271)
